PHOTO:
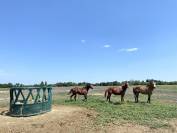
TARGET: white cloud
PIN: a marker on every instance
(129, 50)
(107, 46)
(83, 41)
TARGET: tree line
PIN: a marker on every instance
(114, 83)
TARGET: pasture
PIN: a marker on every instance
(100, 116)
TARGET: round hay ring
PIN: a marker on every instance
(29, 101)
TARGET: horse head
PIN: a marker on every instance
(152, 84)
(126, 85)
(89, 86)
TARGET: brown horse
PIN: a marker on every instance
(80, 91)
(116, 91)
(147, 90)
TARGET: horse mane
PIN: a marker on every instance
(124, 87)
(87, 87)
(150, 86)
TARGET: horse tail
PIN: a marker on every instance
(106, 92)
(70, 91)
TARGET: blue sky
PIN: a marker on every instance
(87, 40)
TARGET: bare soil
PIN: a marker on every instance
(61, 119)
(69, 119)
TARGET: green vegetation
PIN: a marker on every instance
(6, 85)
(155, 115)
(114, 83)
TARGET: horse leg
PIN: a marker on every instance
(137, 97)
(75, 96)
(71, 96)
(109, 97)
(122, 98)
(85, 97)
(149, 98)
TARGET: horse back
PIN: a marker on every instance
(79, 90)
(141, 89)
(116, 90)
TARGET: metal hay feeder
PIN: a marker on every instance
(29, 101)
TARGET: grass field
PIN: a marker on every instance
(155, 115)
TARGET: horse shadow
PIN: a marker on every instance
(115, 103)
(73, 101)
(5, 113)
(128, 102)
(140, 102)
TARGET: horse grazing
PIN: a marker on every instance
(80, 91)
(116, 91)
(147, 90)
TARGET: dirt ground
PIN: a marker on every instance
(69, 119)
